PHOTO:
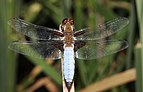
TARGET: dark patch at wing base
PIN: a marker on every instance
(94, 50)
(40, 50)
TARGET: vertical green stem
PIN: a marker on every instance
(7, 58)
(133, 26)
(139, 5)
(139, 70)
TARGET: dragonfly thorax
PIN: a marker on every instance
(68, 40)
(67, 27)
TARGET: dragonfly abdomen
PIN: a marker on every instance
(68, 65)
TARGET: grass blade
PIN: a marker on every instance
(139, 69)
(7, 58)
(139, 5)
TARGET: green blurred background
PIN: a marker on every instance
(19, 73)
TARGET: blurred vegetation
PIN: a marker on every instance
(21, 73)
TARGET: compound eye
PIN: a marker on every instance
(64, 21)
(72, 22)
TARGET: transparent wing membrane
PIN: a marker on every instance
(93, 49)
(34, 31)
(40, 50)
(87, 45)
(102, 31)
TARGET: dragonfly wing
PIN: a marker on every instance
(93, 49)
(102, 31)
(35, 31)
(36, 49)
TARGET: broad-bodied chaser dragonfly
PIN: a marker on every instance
(67, 43)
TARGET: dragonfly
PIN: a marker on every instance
(68, 43)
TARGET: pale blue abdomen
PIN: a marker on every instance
(68, 65)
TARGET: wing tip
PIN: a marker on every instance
(125, 19)
(124, 45)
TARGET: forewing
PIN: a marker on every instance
(40, 50)
(102, 31)
(93, 49)
(35, 31)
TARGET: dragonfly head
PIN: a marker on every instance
(67, 25)
(67, 21)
